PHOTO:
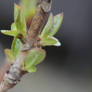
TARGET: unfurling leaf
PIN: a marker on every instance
(57, 23)
(10, 33)
(35, 57)
(48, 26)
(15, 49)
(13, 26)
(16, 9)
(50, 41)
(50, 30)
(16, 46)
(52, 25)
(9, 54)
(21, 23)
(19, 26)
(13, 32)
(29, 7)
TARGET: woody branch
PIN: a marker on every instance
(15, 72)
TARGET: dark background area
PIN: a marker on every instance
(67, 68)
(6, 14)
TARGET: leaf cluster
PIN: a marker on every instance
(22, 13)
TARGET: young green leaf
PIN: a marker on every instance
(9, 54)
(29, 7)
(57, 23)
(16, 9)
(10, 33)
(20, 21)
(13, 26)
(48, 26)
(32, 69)
(16, 46)
(19, 26)
(35, 57)
(50, 41)
(52, 25)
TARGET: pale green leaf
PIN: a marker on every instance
(16, 46)
(29, 7)
(16, 10)
(58, 43)
(57, 23)
(52, 25)
(35, 57)
(20, 23)
(50, 41)
(10, 32)
(32, 69)
(48, 26)
(19, 26)
(13, 26)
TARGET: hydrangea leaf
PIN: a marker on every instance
(9, 54)
(16, 46)
(29, 7)
(35, 57)
(48, 26)
(52, 25)
(50, 41)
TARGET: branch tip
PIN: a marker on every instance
(46, 5)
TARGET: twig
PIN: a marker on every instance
(12, 77)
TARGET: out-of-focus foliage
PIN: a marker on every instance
(29, 7)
